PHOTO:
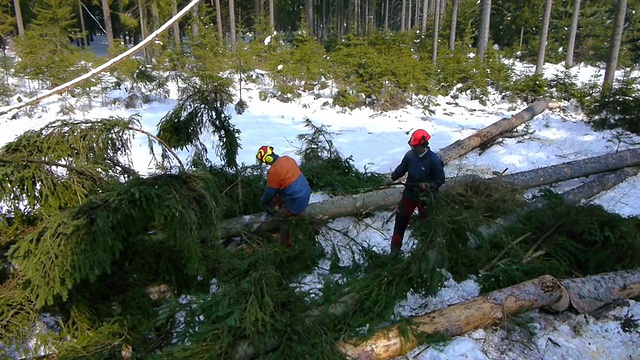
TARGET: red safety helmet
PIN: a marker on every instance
(419, 138)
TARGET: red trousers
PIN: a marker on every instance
(406, 207)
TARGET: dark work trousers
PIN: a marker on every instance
(285, 237)
(406, 207)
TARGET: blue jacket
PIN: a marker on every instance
(428, 168)
(284, 178)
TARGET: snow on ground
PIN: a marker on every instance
(376, 141)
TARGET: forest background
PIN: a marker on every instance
(80, 226)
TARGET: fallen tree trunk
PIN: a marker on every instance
(387, 198)
(491, 132)
(483, 311)
(600, 183)
(568, 170)
(358, 204)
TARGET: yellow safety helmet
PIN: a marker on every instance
(265, 154)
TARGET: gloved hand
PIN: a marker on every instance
(269, 210)
(430, 187)
(388, 182)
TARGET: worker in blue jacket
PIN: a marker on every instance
(425, 175)
(287, 192)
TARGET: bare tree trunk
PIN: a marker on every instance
(257, 4)
(88, 76)
(386, 16)
(232, 25)
(425, 4)
(195, 22)
(543, 36)
(572, 34)
(19, 22)
(177, 41)
(403, 15)
(614, 49)
(309, 12)
(142, 6)
(272, 15)
(387, 198)
(483, 34)
(219, 23)
(489, 309)
(436, 32)
(108, 26)
(409, 26)
(454, 24)
(83, 29)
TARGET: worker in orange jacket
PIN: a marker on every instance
(287, 192)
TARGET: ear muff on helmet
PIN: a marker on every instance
(265, 155)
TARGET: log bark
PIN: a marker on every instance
(491, 132)
(587, 293)
(594, 186)
(569, 170)
(383, 199)
(387, 198)
(109, 64)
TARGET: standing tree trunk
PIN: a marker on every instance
(454, 23)
(83, 29)
(272, 15)
(176, 27)
(195, 22)
(436, 32)
(483, 34)
(257, 8)
(219, 21)
(18, 11)
(106, 12)
(543, 36)
(142, 6)
(572, 34)
(386, 15)
(232, 25)
(425, 4)
(309, 11)
(614, 47)
(403, 15)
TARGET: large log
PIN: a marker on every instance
(363, 203)
(495, 306)
(385, 199)
(568, 170)
(592, 187)
(491, 132)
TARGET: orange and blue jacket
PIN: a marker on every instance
(284, 178)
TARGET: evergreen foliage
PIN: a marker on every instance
(202, 111)
(45, 52)
(63, 163)
(571, 241)
(326, 170)
(616, 108)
